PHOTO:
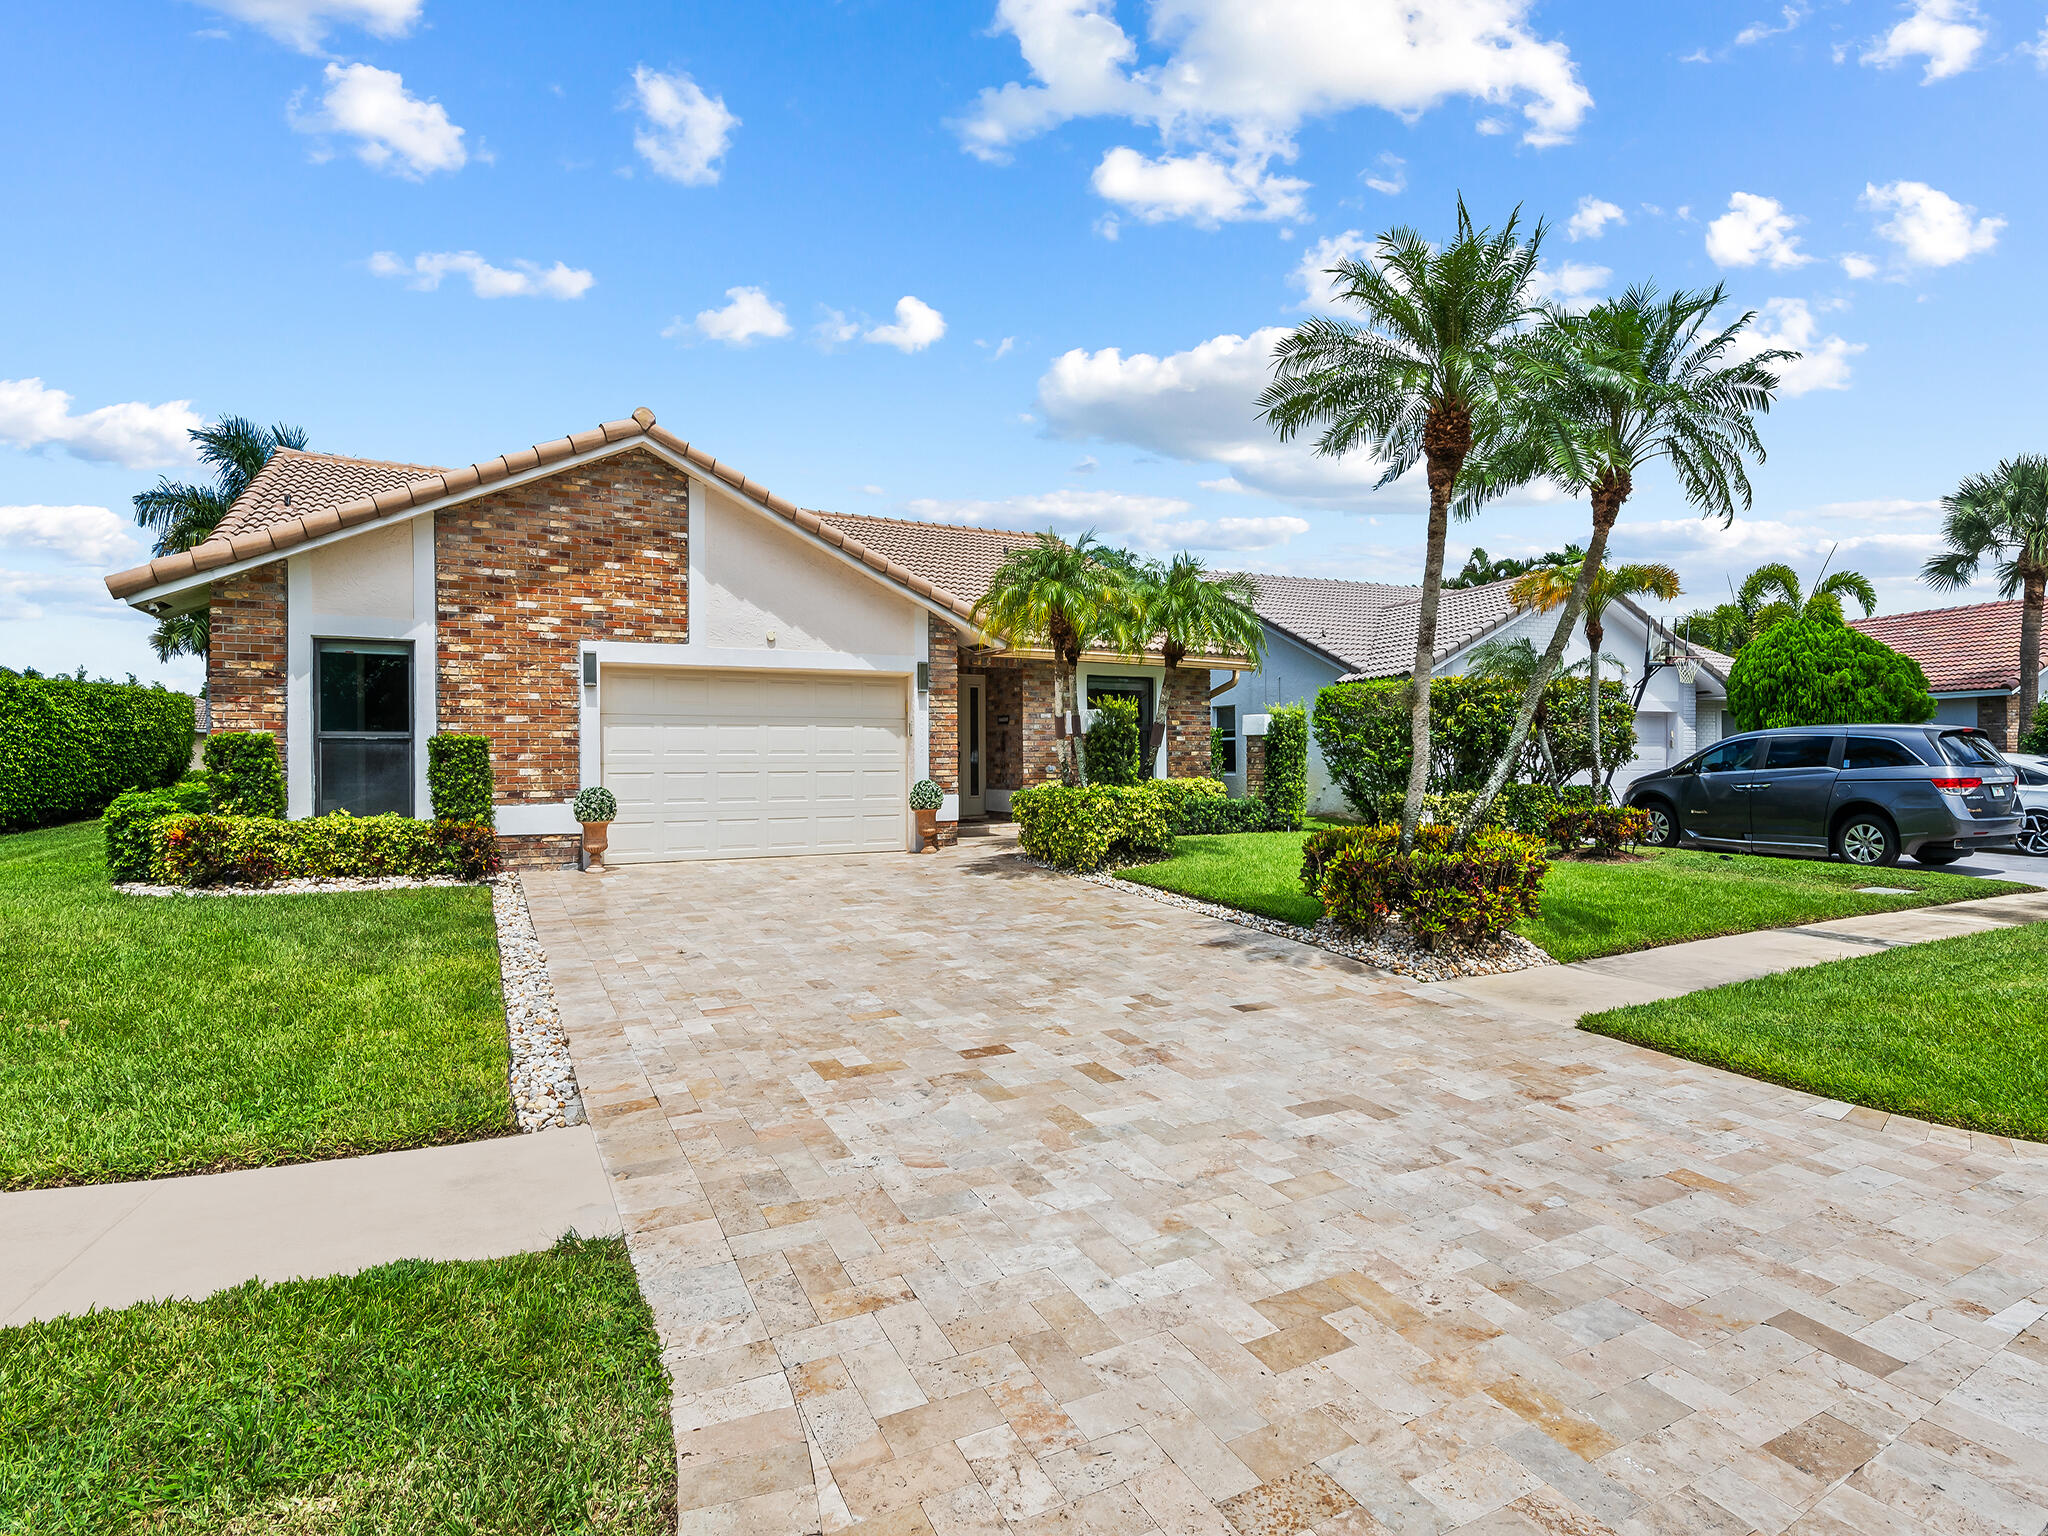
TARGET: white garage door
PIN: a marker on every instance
(737, 765)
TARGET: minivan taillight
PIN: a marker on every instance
(1958, 784)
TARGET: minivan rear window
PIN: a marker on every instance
(1878, 752)
(1969, 749)
(1800, 752)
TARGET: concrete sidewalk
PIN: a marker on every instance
(111, 1245)
(1562, 993)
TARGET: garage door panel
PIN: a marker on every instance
(739, 765)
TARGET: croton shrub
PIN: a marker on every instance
(263, 850)
(1439, 893)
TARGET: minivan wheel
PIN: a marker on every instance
(1663, 825)
(1867, 839)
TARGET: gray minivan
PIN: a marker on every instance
(1865, 793)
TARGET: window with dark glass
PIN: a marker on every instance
(1877, 752)
(1800, 752)
(362, 727)
(1226, 736)
(1970, 749)
(1729, 757)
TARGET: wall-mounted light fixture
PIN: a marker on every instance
(924, 677)
(590, 669)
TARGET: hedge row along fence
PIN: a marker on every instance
(68, 747)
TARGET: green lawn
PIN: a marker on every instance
(1954, 1031)
(522, 1394)
(1589, 909)
(143, 1036)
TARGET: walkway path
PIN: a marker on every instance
(973, 1199)
(111, 1245)
(1562, 993)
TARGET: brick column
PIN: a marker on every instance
(1254, 749)
(943, 711)
(1187, 722)
(2000, 720)
(246, 663)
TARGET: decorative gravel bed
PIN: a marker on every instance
(1392, 949)
(543, 1080)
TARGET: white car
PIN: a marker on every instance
(2033, 787)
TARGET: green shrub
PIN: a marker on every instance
(925, 795)
(1216, 740)
(595, 803)
(1208, 817)
(1283, 785)
(1525, 808)
(1185, 797)
(1110, 750)
(262, 850)
(1362, 731)
(1819, 671)
(1471, 894)
(1318, 848)
(2035, 738)
(126, 823)
(1087, 826)
(459, 783)
(247, 778)
(68, 747)
(1609, 828)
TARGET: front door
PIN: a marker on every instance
(973, 746)
(1717, 802)
(1790, 791)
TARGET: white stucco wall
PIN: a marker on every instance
(755, 585)
(369, 575)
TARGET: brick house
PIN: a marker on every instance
(617, 607)
(1971, 655)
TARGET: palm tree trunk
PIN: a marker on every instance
(1608, 496)
(1446, 440)
(2034, 584)
(1595, 633)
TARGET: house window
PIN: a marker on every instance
(362, 728)
(1226, 736)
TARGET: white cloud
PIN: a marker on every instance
(1757, 31)
(1199, 406)
(1590, 220)
(1199, 187)
(1746, 543)
(1392, 178)
(749, 316)
(523, 279)
(1151, 524)
(134, 435)
(1312, 273)
(834, 329)
(1930, 228)
(303, 23)
(1943, 32)
(685, 133)
(2038, 48)
(1234, 80)
(1824, 360)
(917, 326)
(394, 130)
(1858, 266)
(34, 595)
(1575, 284)
(87, 535)
(1755, 229)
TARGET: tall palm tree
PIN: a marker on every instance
(1555, 587)
(182, 515)
(2003, 517)
(1772, 593)
(1600, 395)
(1414, 379)
(1190, 608)
(1063, 596)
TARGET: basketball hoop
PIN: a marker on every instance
(1688, 670)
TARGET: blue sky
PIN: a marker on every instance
(1011, 263)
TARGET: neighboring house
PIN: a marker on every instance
(1321, 631)
(617, 607)
(1971, 656)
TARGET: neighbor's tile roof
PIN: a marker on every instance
(961, 560)
(329, 493)
(1369, 625)
(1960, 649)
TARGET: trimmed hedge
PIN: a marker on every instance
(262, 850)
(459, 782)
(127, 822)
(1084, 827)
(1609, 828)
(1819, 671)
(1525, 808)
(1364, 880)
(68, 747)
(1283, 786)
(248, 780)
(1110, 750)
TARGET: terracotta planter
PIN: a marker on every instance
(927, 829)
(596, 834)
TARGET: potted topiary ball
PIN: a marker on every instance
(925, 799)
(596, 807)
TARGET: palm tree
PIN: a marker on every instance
(1554, 588)
(1514, 662)
(1601, 395)
(2003, 516)
(1192, 609)
(184, 515)
(1062, 596)
(1772, 593)
(1414, 380)
(1480, 570)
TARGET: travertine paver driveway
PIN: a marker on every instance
(967, 1197)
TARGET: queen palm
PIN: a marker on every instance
(1598, 396)
(183, 515)
(1772, 593)
(2003, 517)
(1413, 380)
(1555, 587)
(1063, 596)
(1189, 608)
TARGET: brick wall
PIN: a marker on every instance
(523, 576)
(1028, 753)
(2000, 720)
(1253, 749)
(1187, 722)
(943, 719)
(246, 663)
(1005, 767)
